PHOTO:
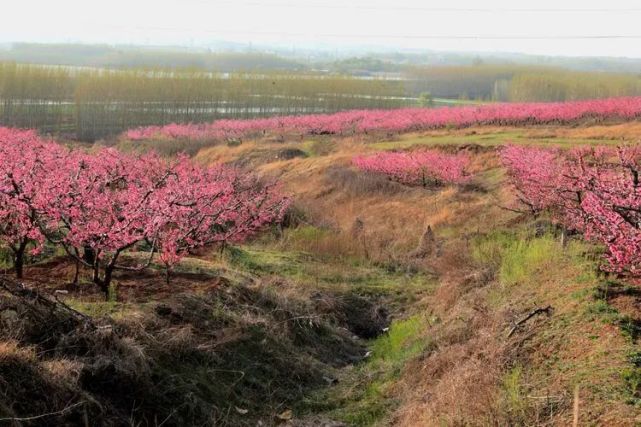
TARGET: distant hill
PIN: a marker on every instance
(106, 56)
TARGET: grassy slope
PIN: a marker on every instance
(450, 361)
(346, 267)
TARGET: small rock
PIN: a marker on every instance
(286, 415)
(330, 380)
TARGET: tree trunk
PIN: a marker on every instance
(96, 273)
(106, 282)
(76, 275)
(103, 284)
(18, 259)
(19, 265)
(89, 255)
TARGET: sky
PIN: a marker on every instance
(568, 28)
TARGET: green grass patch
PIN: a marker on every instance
(514, 400)
(6, 258)
(346, 275)
(265, 261)
(400, 343)
(601, 310)
(111, 309)
(500, 137)
(524, 259)
(632, 378)
(365, 397)
(488, 250)
(519, 259)
(301, 236)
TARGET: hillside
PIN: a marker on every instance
(375, 303)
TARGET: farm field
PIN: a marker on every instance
(378, 298)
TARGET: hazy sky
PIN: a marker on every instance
(587, 27)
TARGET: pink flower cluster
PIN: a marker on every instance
(396, 121)
(533, 173)
(23, 156)
(109, 202)
(596, 191)
(418, 167)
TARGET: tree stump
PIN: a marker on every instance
(427, 246)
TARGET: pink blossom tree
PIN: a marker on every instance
(103, 203)
(595, 191)
(534, 175)
(26, 163)
(610, 205)
(215, 205)
(418, 167)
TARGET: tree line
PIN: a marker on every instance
(107, 56)
(519, 83)
(95, 103)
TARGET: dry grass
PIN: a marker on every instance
(456, 384)
(191, 359)
(393, 217)
(630, 131)
(477, 375)
(11, 351)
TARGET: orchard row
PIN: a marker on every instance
(100, 205)
(423, 168)
(593, 191)
(396, 121)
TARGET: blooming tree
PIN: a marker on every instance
(105, 203)
(111, 203)
(595, 191)
(611, 203)
(535, 187)
(418, 167)
(25, 166)
(215, 205)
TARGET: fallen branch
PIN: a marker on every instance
(547, 397)
(575, 408)
(50, 414)
(547, 310)
(505, 208)
(19, 290)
